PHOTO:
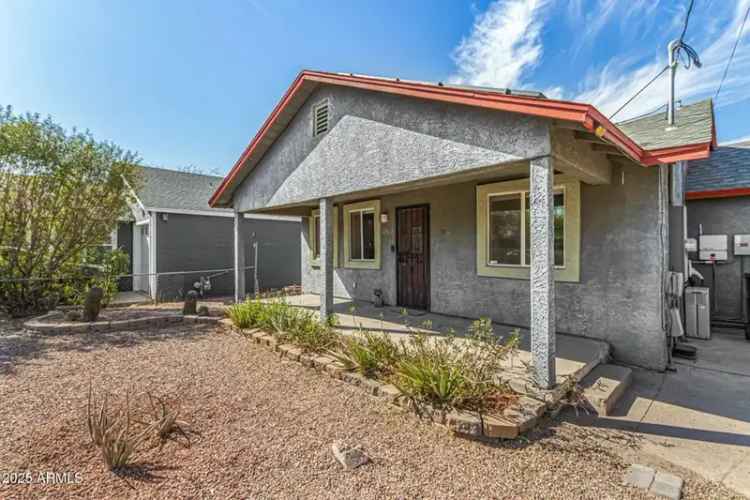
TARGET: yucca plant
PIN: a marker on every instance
(165, 418)
(368, 353)
(117, 439)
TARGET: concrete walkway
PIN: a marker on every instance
(576, 356)
(122, 299)
(697, 417)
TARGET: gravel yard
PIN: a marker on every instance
(265, 429)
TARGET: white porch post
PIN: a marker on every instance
(542, 282)
(239, 258)
(326, 257)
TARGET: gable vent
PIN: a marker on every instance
(320, 118)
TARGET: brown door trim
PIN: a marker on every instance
(425, 257)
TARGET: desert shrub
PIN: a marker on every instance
(245, 314)
(291, 324)
(114, 433)
(371, 354)
(62, 194)
(303, 329)
(164, 418)
(447, 373)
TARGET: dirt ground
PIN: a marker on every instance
(264, 427)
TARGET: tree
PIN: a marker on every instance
(60, 195)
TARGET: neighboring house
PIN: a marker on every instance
(470, 201)
(719, 203)
(172, 230)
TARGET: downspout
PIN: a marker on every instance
(663, 216)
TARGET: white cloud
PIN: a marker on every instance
(503, 46)
(611, 86)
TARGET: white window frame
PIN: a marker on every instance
(316, 214)
(372, 206)
(571, 189)
(524, 194)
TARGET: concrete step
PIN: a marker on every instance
(604, 386)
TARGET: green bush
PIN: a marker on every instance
(62, 194)
(446, 373)
(371, 354)
(291, 324)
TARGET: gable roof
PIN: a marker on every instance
(170, 189)
(693, 125)
(528, 103)
(725, 174)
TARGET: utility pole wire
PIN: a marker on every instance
(731, 56)
(687, 20)
(665, 68)
(691, 53)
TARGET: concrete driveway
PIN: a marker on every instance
(697, 417)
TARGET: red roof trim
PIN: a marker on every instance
(585, 114)
(670, 155)
(718, 193)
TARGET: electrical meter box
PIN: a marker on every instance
(742, 244)
(712, 247)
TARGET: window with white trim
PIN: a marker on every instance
(509, 229)
(504, 229)
(362, 235)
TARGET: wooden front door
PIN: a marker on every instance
(413, 256)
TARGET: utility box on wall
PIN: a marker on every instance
(712, 247)
(742, 244)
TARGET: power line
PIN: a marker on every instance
(665, 68)
(687, 20)
(731, 56)
(692, 57)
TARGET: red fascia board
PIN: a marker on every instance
(585, 114)
(718, 193)
(670, 155)
(256, 140)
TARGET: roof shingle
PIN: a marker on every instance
(163, 188)
(727, 168)
(693, 125)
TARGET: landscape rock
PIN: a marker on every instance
(667, 485)
(350, 457)
(639, 476)
(73, 315)
(203, 311)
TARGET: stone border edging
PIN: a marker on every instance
(72, 327)
(514, 421)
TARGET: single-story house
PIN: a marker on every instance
(474, 202)
(171, 230)
(718, 194)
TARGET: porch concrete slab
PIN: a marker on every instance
(695, 418)
(123, 299)
(576, 356)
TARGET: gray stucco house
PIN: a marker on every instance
(171, 229)
(477, 202)
(719, 204)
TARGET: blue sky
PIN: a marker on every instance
(188, 83)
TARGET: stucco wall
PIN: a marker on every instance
(618, 296)
(378, 139)
(728, 216)
(196, 242)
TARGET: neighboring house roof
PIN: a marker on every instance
(161, 188)
(527, 103)
(693, 125)
(725, 174)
